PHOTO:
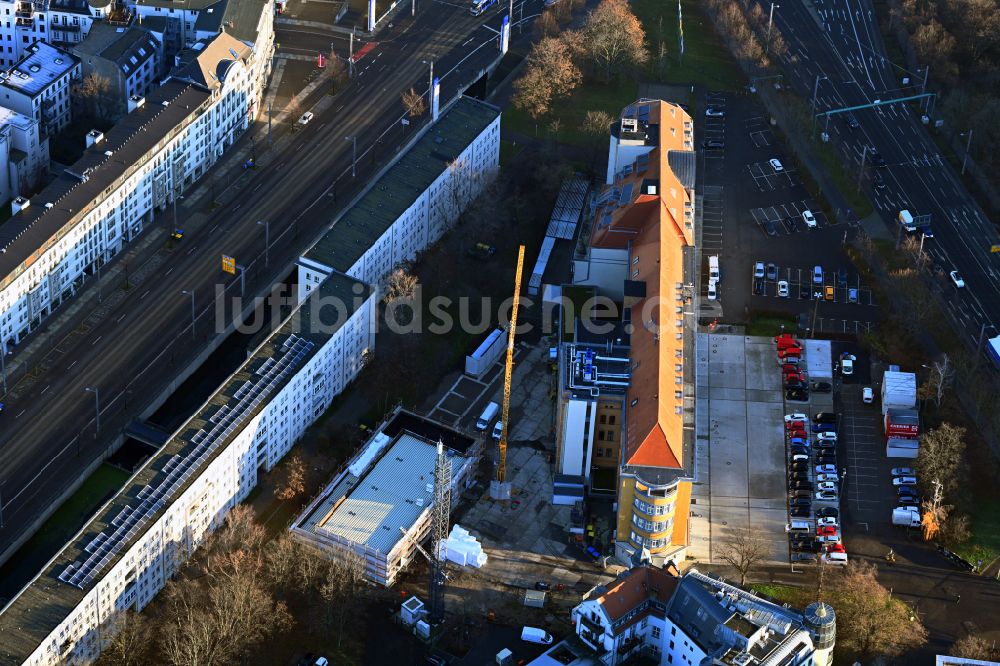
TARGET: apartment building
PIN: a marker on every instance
(674, 620)
(38, 86)
(129, 59)
(25, 152)
(63, 234)
(414, 202)
(692, 619)
(379, 506)
(137, 541)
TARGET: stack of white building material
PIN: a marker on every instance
(462, 548)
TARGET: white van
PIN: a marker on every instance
(837, 559)
(498, 431)
(799, 526)
(536, 635)
(713, 268)
(490, 413)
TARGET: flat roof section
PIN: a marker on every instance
(41, 65)
(391, 495)
(399, 187)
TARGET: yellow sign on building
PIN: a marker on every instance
(229, 264)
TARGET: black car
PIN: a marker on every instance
(803, 485)
(804, 293)
(808, 547)
(771, 227)
(772, 272)
(878, 181)
(713, 143)
(851, 120)
(803, 557)
(542, 586)
(827, 512)
(800, 502)
(798, 448)
(825, 417)
(827, 457)
(800, 495)
(797, 394)
(822, 387)
(800, 512)
(758, 287)
(878, 161)
(842, 277)
(796, 385)
(824, 426)
(825, 444)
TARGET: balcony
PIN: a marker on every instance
(594, 627)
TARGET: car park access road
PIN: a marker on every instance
(835, 49)
(48, 434)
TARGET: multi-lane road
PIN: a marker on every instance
(48, 433)
(835, 51)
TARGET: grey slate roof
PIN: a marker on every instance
(131, 138)
(47, 601)
(399, 187)
(684, 165)
(118, 45)
(41, 65)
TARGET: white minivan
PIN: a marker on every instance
(536, 635)
(713, 268)
(486, 418)
(498, 431)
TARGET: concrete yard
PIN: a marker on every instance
(740, 466)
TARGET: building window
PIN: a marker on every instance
(604, 419)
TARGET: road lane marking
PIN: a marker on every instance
(144, 294)
(119, 320)
(72, 364)
(98, 339)
(45, 389)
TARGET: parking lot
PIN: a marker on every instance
(740, 467)
(787, 218)
(803, 286)
(771, 174)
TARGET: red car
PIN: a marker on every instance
(797, 433)
(795, 425)
(784, 352)
(783, 336)
(826, 530)
(835, 548)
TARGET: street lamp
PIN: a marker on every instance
(97, 407)
(819, 77)
(354, 158)
(185, 292)
(770, 20)
(968, 146)
(267, 240)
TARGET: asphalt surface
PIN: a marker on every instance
(836, 50)
(49, 433)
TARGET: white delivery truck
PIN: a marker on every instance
(907, 516)
(536, 635)
(486, 418)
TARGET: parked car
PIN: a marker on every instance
(800, 456)
(809, 219)
(826, 457)
(826, 469)
(822, 387)
(828, 292)
(826, 496)
(758, 269)
(758, 287)
(847, 364)
(841, 277)
(824, 426)
(713, 290)
(800, 502)
(826, 530)
(903, 471)
(306, 117)
(772, 272)
(800, 512)
(852, 295)
(827, 436)
(803, 557)
(796, 395)
(825, 417)
(776, 165)
(712, 112)
(782, 289)
(826, 444)
(828, 512)
(796, 416)
(833, 478)
(784, 336)
(957, 279)
(713, 143)
(802, 485)
(867, 395)
(830, 521)
(904, 481)
(804, 291)
(795, 424)
(817, 275)
(827, 485)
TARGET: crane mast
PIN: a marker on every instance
(500, 488)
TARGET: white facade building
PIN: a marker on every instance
(138, 540)
(691, 620)
(153, 154)
(38, 85)
(24, 151)
(414, 202)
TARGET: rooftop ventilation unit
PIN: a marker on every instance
(94, 137)
(630, 125)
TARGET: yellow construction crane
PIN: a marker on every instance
(500, 488)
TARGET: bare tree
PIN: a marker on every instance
(131, 636)
(940, 457)
(92, 92)
(337, 70)
(939, 380)
(596, 124)
(293, 483)
(743, 551)
(242, 532)
(400, 285)
(955, 531)
(974, 647)
(341, 585)
(614, 38)
(414, 103)
(549, 74)
(281, 560)
(870, 620)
